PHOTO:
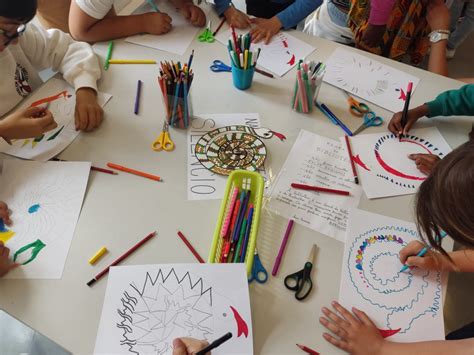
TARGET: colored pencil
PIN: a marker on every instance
(121, 258)
(153, 5)
(137, 97)
(307, 350)
(229, 210)
(319, 189)
(339, 122)
(325, 113)
(133, 171)
(276, 266)
(349, 151)
(190, 247)
(421, 253)
(219, 27)
(132, 61)
(243, 251)
(405, 110)
(216, 343)
(102, 170)
(109, 55)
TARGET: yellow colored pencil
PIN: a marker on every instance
(127, 61)
(246, 55)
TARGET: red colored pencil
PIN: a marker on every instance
(102, 170)
(319, 189)
(121, 258)
(190, 247)
(307, 350)
(263, 72)
(349, 150)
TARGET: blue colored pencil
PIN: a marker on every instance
(137, 97)
(241, 215)
(247, 234)
(339, 122)
(175, 104)
(325, 113)
(185, 102)
(421, 253)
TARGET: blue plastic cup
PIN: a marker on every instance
(242, 77)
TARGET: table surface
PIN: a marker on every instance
(120, 210)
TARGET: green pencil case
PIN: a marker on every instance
(244, 180)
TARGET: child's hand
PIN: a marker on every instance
(265, 29)
(425, 162)
(188, 346)
(236, 18)
(193, 14)
(5, 213)
(395, 124)
(431, 261)
(373, 35)
(157, 23)
(5, 264)
(356, 334)
(88, 113)
(29, 123)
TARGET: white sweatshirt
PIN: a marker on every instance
(37, 50)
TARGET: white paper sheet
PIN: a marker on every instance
(368, 79)
(178, 39)
(319, 161)
(382, 161)
(370, 279)
(279, 56)
(147, 306)
(202, 183)
(62, 99)
(45, 200)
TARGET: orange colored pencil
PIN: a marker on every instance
(133, 171)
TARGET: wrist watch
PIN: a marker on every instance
(438, 35)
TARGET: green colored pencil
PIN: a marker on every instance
(109, 55)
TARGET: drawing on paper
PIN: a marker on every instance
(279, 48)
(5, 233)
(390, 172)
(31, 251)
(226, 149)
(167, 305)
(34, 208)
(404, 298)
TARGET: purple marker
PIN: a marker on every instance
(282, 247)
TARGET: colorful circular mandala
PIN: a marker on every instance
(229, 148)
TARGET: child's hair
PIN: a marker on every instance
(19, 10)
(445, 201)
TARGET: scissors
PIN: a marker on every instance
(163, 142)
(300, 281)
(258, 273)
(370, 120)
(206, 35)
(219, 66)
(357, 108)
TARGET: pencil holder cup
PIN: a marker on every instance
(178, 110)
(305, 93)
(242, 78)
(252, 183)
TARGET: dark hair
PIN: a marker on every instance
(445, 201)
(19, 10)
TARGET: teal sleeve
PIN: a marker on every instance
(453, 103)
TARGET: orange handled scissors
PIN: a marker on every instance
(356, 108)
(163, 142)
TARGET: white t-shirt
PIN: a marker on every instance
(96, 8)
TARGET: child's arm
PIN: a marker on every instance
(233, 16)
(266, 28)
(358, 335)
(450, 103)
(85, 27)
(192, 13)
(29, 123)
(438, 18)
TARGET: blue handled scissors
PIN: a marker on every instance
(300, 282)
(219, 66)
(370, 120)
(258, 273)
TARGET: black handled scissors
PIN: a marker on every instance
(300, 281)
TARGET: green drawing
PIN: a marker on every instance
(36, 246)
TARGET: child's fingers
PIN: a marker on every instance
(344, 312)
(411, 249)
(81, 119)
(341, 344)
(33, 111)
(333, 327)
(268, 38)
(335, 318)
(5, 252)
(363, 317)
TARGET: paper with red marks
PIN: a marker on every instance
(62, 102)
(382, 162)
(368, 79)
(279, 56)
(147, 306)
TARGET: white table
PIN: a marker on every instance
(120, 210)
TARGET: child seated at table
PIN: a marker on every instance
(270, 15)
(25, 49)
(96, 20)
(443, 203)
(450, 103)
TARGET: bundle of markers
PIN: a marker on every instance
(175, 82)
(309, 77)
(239, 50)
(236, 228)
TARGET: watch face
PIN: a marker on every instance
(435, 37)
